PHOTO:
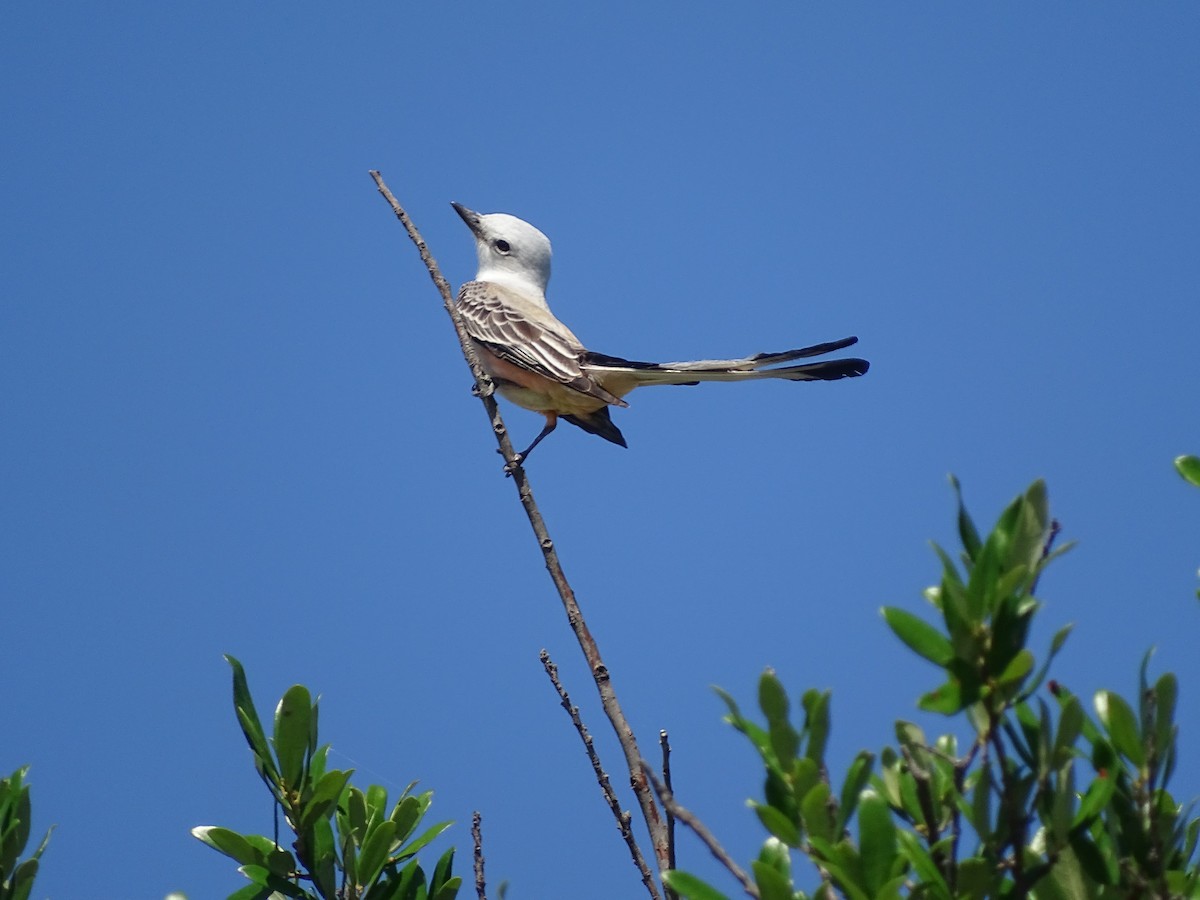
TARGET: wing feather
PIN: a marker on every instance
(526, 335)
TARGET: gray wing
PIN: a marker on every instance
(526, 336)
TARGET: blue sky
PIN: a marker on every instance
(236, 419)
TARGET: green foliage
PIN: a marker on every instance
(348, 845)
(1189, 468)
(1045, 801)
(16, 875)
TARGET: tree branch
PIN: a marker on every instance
(600, 674)
(477, 834)
(610, 795)
(664, 742)
(698, 828)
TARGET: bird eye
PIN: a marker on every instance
(503, 246)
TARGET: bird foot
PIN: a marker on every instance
(510, 467)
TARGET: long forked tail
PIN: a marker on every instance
(622, 375)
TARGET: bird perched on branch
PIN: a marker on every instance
(537, 363)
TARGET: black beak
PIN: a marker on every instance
(469, 216)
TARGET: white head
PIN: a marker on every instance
(511, 251)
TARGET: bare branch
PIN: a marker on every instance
(664, 742)
(698, 828)
(477, 834)
(610, 795)
(600, 673)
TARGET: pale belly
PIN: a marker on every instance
(533, 391)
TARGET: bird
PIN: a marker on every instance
(537, 362)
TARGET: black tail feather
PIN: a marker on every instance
(598, 423)
(831, 370)
(767, 359)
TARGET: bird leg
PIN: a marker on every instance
(551, 424)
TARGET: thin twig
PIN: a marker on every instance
(1016, 822)
(477, 834)
(600, 674)
(667, 799)
(923, 779)
(961, 767)
(610, 795)
(664, 741)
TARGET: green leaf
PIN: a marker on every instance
(1091, 860)
(376, 803)
(21, 883)
(977, 808)
(1097, 797)
(816, 724)
(805, 775)
(1166, 693)
(730, 703)
(409, 884)
(775, 854)
(1012, 581)
(910, 736)
(252, 728)
(815, 809)
(375, 851)
(689, 886)
(268, 879)
(956, 613)
(15, 816)
(923, 864)
(772, 698)
(777, 823)
(1118, 720)
(772, 884)
(966, 528)
(1189, 468)
(982, 580)
(324, 870)
(293, 722)
(324, 797)
(281, 862)
(773, 701)
(1030, 528)
(857, 777)
(842, 878)
(975, 879)
(251, 892)
(356, 812)
(734, 717)
(406, 815)
(442, 870)
(232, 844)
(920, 637)
(1056, 644)
(316, 764)
(876, 841)
(428, 835)
(1016, 671)
(780, 792)
(888, 781)
(946, 699)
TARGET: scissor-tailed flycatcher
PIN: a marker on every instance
(537, 363)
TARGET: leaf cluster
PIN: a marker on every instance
(1047, 800)
(347, 844)
(16, 875)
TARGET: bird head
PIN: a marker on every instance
(511, 251)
